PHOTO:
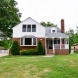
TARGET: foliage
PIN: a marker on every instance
(1, 42)
(73, 38)
(15, 48)
(6, 44)
(40, 48)
(47, 24)
(28, 52)
(9, 16)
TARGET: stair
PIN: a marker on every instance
(49, 51)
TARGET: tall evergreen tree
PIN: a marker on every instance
(9, 16)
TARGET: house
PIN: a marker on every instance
(75, 47)
(29, 32)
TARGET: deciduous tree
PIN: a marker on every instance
(9, 16)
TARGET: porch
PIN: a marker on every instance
(57, 46)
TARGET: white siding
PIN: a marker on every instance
(17, 31)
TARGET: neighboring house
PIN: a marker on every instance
(1, 37)
(29, 32)
(75, 47)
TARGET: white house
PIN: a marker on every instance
(29, 32)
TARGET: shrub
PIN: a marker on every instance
(28, 52)
(15, 48)
(40, 48)
(1, 43)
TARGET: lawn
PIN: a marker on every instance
(59, 66)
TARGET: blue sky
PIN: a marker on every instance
(50, 10)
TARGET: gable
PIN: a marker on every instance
(40, 30)
(28, 21)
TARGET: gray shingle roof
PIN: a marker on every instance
(58, 34)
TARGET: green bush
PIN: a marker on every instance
(40, 48)
(15, 48)
(28, 52)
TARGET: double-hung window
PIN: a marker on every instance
(24, 28)
(29, 28)
(33, 28)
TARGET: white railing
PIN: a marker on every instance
(61, 46)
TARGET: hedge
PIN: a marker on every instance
(28, 52)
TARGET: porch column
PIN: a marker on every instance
(68, 42)
(60, 42)
(53, 45)
(45, 47)
(65, 40)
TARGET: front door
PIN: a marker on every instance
(49, 44)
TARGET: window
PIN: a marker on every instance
(21, 41)
(33, 28)
(28, 28)
(53, 30)
(24, 28)
(34, 41)
(28, 41)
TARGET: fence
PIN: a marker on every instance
(4, 51)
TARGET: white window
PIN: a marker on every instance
(28, 41)
(29, 28)
(24, 28)
(53, 31)
(33, 28)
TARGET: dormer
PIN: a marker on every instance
(53, 30)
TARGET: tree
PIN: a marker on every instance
(15, 48)
(47, 24)
(9, 16)
(71, 38)
(77, 29)
(40, 48)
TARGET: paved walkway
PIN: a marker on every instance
(1, 55)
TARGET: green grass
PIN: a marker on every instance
(60, 66)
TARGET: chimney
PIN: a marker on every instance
(62, 26)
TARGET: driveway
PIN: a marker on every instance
(1, 55)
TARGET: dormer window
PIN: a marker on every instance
(53, 31)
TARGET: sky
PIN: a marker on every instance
(50, 10)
